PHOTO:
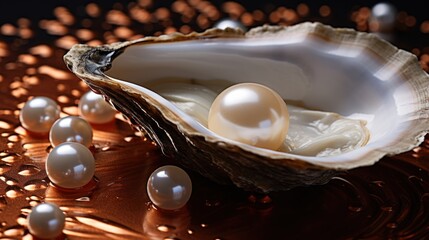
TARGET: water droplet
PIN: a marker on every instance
(35, 198)
(165, 228)
(203, 225)
(128, 139)
(28, 170)
(13, 138)
(35, 184)
(83, 199)
(22, 220)
(190, 231)
(14, 191)
(9, 158)
(34, 203)
(5, 125)
(4, 167)
(16, 231)
(171, 238)
(11, 182)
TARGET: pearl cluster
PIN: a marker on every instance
(71, 165)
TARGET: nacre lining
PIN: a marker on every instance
(311, 133)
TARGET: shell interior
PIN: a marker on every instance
(310, 65)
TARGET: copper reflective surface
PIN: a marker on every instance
(387, 200)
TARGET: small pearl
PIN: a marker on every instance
(38, 114)
(71, 129)
(46, 220)
(250, 113)
(383, 17)
(70, 165)
(169, 187)
(229, 23)
(94, 109)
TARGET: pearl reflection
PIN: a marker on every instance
(237, 96)
(38, 103)
(157, 223)
(66, 150)
(45, 208)
(162, 174)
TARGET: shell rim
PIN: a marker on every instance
(78, 57)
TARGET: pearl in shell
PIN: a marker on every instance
(250, 113)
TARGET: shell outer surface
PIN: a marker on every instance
(255, 170)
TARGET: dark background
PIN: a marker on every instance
(10, 10)
(407, 38)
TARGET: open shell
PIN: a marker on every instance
(337, 70)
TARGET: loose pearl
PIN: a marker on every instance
(71, 129)
(46, 220)
(229, 23)
(94, 109)
(250, 113)
(383, 17)
(70, 165)
(38, 114)
(169, 187)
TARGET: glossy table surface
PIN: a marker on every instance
(387, 200)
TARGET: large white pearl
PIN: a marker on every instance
(46, 220)
(70, 165)
(94, 109)
(250, 113)
(71, 129)
(169, 187)
(38, 114)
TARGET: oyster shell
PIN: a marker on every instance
(313, 65)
